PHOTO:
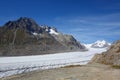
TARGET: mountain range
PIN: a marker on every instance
(25, 37)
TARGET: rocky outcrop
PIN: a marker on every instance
(111, 56)
(69, 41)
(25, 37)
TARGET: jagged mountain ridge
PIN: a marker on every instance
(25, 37)
(24, 23)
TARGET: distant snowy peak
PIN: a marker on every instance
(100, 44)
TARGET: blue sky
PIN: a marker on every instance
(86, 20)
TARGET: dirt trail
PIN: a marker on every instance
(88, 72)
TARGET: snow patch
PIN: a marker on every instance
(35, 33)
(53, 32)
(87, 45)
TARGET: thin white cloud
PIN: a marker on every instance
(79, 29)
(104, 20)
(92, 27)
(77, 21)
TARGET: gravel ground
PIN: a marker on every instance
(88, 72)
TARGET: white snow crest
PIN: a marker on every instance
(35, 33)
(53, 32)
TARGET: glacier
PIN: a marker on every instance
(21, 64)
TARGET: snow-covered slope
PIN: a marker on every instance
(50, 31)
(35, 33)
(100, 44)
(88, 46)
(53, 32)
(16, 65)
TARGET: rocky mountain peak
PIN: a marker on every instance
(24, 23)
(25, 37)
(22, 20)
(27, 21)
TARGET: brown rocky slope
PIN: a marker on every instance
(111, 56)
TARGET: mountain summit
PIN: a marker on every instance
(25, 37)
(28, 24)
(100, 44)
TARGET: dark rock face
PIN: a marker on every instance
(25, 37)
(111, 56)
(24, 23)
